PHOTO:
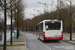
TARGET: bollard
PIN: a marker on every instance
(15, 35)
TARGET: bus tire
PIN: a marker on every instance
(57, 40)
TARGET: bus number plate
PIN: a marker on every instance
(53, 37)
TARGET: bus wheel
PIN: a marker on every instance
(57, 40)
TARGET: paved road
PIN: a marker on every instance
(34, 44)
(7, 37)
(68, 36)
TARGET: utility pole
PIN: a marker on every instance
(70, 21)
(11, 21)
(4, 47)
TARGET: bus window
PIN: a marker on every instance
(52, 26)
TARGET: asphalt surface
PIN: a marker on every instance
(34, 44)
(68, 36)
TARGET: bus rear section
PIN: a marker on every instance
(53, 30)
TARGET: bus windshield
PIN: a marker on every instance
(52, 26)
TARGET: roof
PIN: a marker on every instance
(48, 20)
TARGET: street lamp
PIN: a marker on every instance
(34, 21)
(45, 7)
(37, 11)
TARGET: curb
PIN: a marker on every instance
(14, 45)
(17, 41)
(25, 44)
(68, 42)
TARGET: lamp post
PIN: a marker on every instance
(34, 21)
(45, 7)
(38, 13)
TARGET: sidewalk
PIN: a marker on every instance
(19, 45)
(69, 41)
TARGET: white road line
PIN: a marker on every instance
(26, 48)
(25, 45)
(46, 46)
(43, 44)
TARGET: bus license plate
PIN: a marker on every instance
(53, 37)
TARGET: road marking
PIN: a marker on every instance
(42, 43)
(25, 45)
(26, 48)
(46, 46)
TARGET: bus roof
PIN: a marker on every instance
(48, 20)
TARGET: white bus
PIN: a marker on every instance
(50, 30)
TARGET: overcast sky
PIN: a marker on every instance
(33, 4)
